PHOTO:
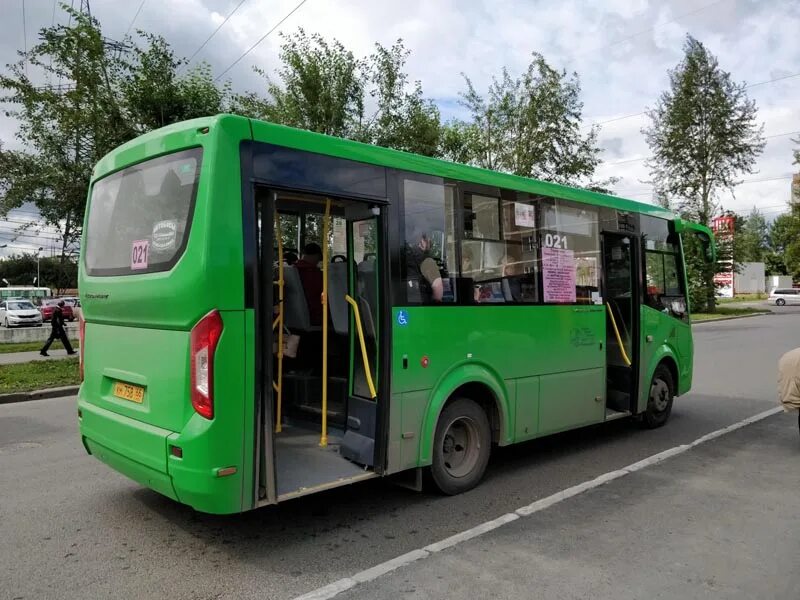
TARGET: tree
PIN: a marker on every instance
(752, 238)
(322, 86)
(153, 93)
(703, 135)
(106, 95)
(529, 126)
(64, 128)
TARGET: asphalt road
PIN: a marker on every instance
(71, 528)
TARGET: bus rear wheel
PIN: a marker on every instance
(461, 447)
(659, 401)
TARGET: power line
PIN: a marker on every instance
(134, 19)
(743, 182)
(644, 112)
(253, 47)
(622, 162)
(25, 37)
(208, 39)
(654, 27)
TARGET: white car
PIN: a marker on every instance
(18, 313)
(783, 296)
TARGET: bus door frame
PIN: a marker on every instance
(636, 296)
(260, 198)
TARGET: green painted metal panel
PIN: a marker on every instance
(664, 336)
(527, 408)
(498, 344)
(571, 399)
(413, 406)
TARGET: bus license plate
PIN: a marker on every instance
(126, 391)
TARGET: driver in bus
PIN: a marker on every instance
(423, 270)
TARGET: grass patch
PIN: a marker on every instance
(38, 375)
(32, 346)
(725, 311)
(742, 298)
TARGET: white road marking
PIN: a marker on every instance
(342, 585)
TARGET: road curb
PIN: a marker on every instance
(731, 318)
(67, 390)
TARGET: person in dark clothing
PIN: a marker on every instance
(422, 271)
(311, 278)
(57, 331)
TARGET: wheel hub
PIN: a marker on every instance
(461, 447)
(659, 394)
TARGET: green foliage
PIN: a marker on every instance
(97, 98)
(752, 238)
(323, 87)
(528, 126)
(53, 272)
(703, 134)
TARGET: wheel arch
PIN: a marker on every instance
(477, 382)
(664, 356)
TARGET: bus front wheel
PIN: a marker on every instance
(659, 401)
(461, 447)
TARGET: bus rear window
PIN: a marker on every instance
(139, 218)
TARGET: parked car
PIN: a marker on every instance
(783, 296)
(19, 313)
(49, 305)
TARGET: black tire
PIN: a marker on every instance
(461, 447)
(659, 399)
(780, 302)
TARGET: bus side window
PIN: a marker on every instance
(428, 248)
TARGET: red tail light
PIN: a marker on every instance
(205, 336)
(81, 342)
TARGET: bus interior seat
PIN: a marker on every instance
(337, 289)
(296, 316)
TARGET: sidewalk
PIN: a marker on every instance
(719, 521)
(12, 358)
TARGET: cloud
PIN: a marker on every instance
(621, 50)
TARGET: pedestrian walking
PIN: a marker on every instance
(57, 331)
(789, 382)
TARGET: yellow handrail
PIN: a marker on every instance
(323, 440)
(619, 339)
(279, 387)
(364, 356)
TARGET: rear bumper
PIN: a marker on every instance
(141, 452)
(135, 449)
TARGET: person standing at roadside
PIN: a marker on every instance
(789, 382)
(57, 331)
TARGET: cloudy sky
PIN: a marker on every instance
(621, 49)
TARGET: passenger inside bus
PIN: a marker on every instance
(311, 279)
(423, 272)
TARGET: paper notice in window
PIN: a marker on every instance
(524, 215)
(558, 274)
(139, 254)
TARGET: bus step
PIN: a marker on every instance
(612, 415)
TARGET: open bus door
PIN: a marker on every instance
(319, 380)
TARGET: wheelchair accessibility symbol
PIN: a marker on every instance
(402, 318)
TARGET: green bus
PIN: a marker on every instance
(270, 312)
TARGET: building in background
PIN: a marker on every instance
(750, 278)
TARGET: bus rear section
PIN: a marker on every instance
(162, 357)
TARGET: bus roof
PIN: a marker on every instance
(186, 134)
